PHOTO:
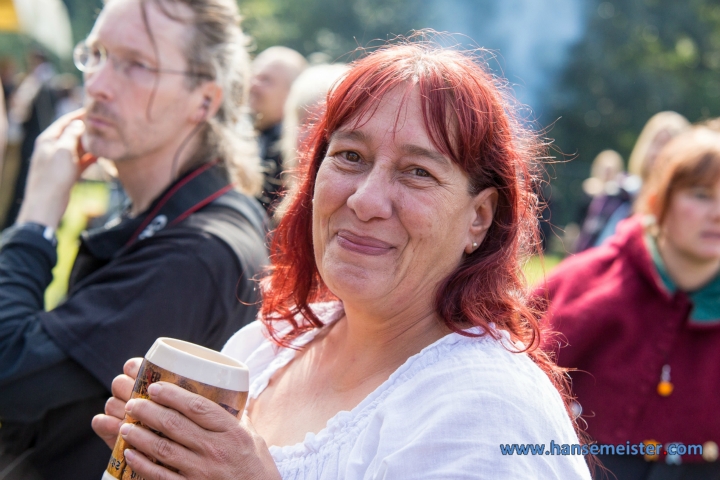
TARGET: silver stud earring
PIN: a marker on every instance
(474, 245)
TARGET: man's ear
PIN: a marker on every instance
(211, 96)
(485, 205)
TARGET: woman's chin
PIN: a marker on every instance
(351, 283)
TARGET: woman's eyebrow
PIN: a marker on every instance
(355, 135)
(418, 151)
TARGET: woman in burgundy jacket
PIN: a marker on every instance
(638, 322)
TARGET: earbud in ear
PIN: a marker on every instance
(205, 107)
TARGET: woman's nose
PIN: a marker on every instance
(373, 196)
(715, 212)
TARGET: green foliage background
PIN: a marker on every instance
(637, 58)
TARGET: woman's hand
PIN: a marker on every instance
(202, 440)
(107, 426)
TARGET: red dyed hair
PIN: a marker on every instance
(468, 118)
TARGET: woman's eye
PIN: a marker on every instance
(350, 156)
(421, 172)
(701, 194)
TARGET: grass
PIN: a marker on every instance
(537, 268)
(87, 200)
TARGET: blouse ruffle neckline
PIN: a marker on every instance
(341, 426)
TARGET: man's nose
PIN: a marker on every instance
(100, 84)
(373, 195)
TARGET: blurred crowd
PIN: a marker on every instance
(34, 99)
(633, 313)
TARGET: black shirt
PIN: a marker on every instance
(184, 269)
(272, 163)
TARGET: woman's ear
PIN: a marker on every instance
(485, 204)
(652, 203)
(650, 219)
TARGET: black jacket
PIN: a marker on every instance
(272, 162)
(183, 269)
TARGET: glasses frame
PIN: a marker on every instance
(104, 57)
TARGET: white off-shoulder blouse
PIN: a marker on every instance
(444, 414)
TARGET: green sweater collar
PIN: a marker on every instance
(706, 300)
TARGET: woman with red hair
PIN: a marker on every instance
(395, 338)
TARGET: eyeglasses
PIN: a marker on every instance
(91, 58)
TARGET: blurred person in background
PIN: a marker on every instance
(165, 84)
(657, 132)
(8, 77)
(607, 202)
(3, 131)
(639, 319)
(615, 201)
(68, 92)
(32, 109)
(273, 72)
(304, 106)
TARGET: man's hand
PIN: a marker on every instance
(56, 164)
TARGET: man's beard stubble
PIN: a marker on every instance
(104, 112)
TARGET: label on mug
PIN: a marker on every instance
(232, 401)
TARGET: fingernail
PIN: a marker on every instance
(129, 405)
(154, 389)
(77, 124)
(125, 428)
(129, 455)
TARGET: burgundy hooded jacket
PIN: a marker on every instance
(618, 324)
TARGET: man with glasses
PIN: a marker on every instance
(165, 87)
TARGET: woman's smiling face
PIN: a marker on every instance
(392, 216)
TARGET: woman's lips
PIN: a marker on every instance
(362, 244)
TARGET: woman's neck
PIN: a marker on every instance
(364, 345)
(687, 272)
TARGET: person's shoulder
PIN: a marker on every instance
(478, 365)
(245, 341)
(588, 265)
(180, 253)
(621, 245)
(219, 238)
(600, 273)
(254, 335)
(466, 397)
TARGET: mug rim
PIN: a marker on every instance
(199, 363)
